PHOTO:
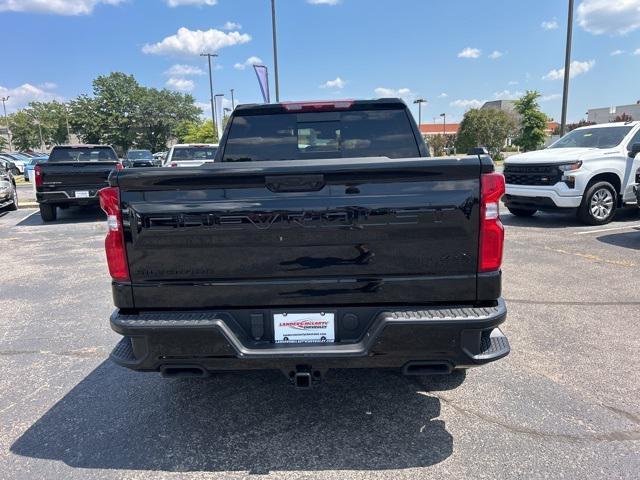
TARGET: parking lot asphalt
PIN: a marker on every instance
(564, 404)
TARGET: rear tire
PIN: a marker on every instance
(599, 204)
(14, 205)
(522, 212)
(48, 212)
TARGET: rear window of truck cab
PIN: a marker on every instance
(306, 136)
(82, 154)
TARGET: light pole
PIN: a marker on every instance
(420, 101)
(6, 121)
(233, 101)
(567, 68)
(444, 123)
(275, 48)
(213, 107)
(66, 116)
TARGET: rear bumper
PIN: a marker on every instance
(458, 336)
(68, 197)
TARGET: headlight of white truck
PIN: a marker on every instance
(569, 167)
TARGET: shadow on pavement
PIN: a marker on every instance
(561, 220)
(67, 216)
(626, 239)
(256, 422)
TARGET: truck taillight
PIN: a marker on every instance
(491, 230)
(37, 171)
(114, 242)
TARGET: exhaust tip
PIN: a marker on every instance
(427, 368)
(174, 371)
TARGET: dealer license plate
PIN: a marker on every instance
(304, 327)
(82, 194)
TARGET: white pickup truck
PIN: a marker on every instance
(590, 171)
(191, 154)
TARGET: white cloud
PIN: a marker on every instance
(199, 3)
(20, 96)
(180, 84)
(614, 17)
(232, 26)
(248, 62)
(507, 95)
(615, 53)
(637, 52)
(550, 25)
(513, 83)
(495, 54)
(56, 7)
(337, 84)
(323, 2)
(577, 68)
(550, 98)
(194, 42)
(48, 86)
(443, 95)
(470, 53)
(462, 103)
(180, 70)
(404, 93)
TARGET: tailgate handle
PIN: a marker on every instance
(295, 183)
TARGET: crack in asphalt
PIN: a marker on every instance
(570, 302)
(84, 353)
(615, 436)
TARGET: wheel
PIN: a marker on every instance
(522, 212)
(14, 205)
(48, 212)
(598, 204)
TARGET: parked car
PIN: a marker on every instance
(31, 165)
(355, 252)
(8, 191)
(18, 159)
(72, 175)
(7, 164)
(589, 171)
(159, 158)
(139, 158)
(636, 188)
(191, 155)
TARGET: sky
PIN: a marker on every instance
(455, 54)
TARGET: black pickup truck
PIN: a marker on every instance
(321, 237)
(72, 176)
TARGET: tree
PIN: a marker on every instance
(488, 128)
(533, 122)
(202, 132)
(625, 117)
(438, 143)
(53, 121)
(160, 114)
(24, 131)
(125, 114)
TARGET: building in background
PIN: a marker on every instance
(507, 106)
(610, 114)
(430, 129)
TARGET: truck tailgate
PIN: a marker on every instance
(75, 174)
(348, 232)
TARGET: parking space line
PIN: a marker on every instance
(606, 229)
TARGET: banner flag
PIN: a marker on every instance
(263, 80)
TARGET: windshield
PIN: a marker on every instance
(306, 136)
(598, 137)
(82, 154)
(139, 155)
(193, 153)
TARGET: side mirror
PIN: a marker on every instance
(634, 150)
